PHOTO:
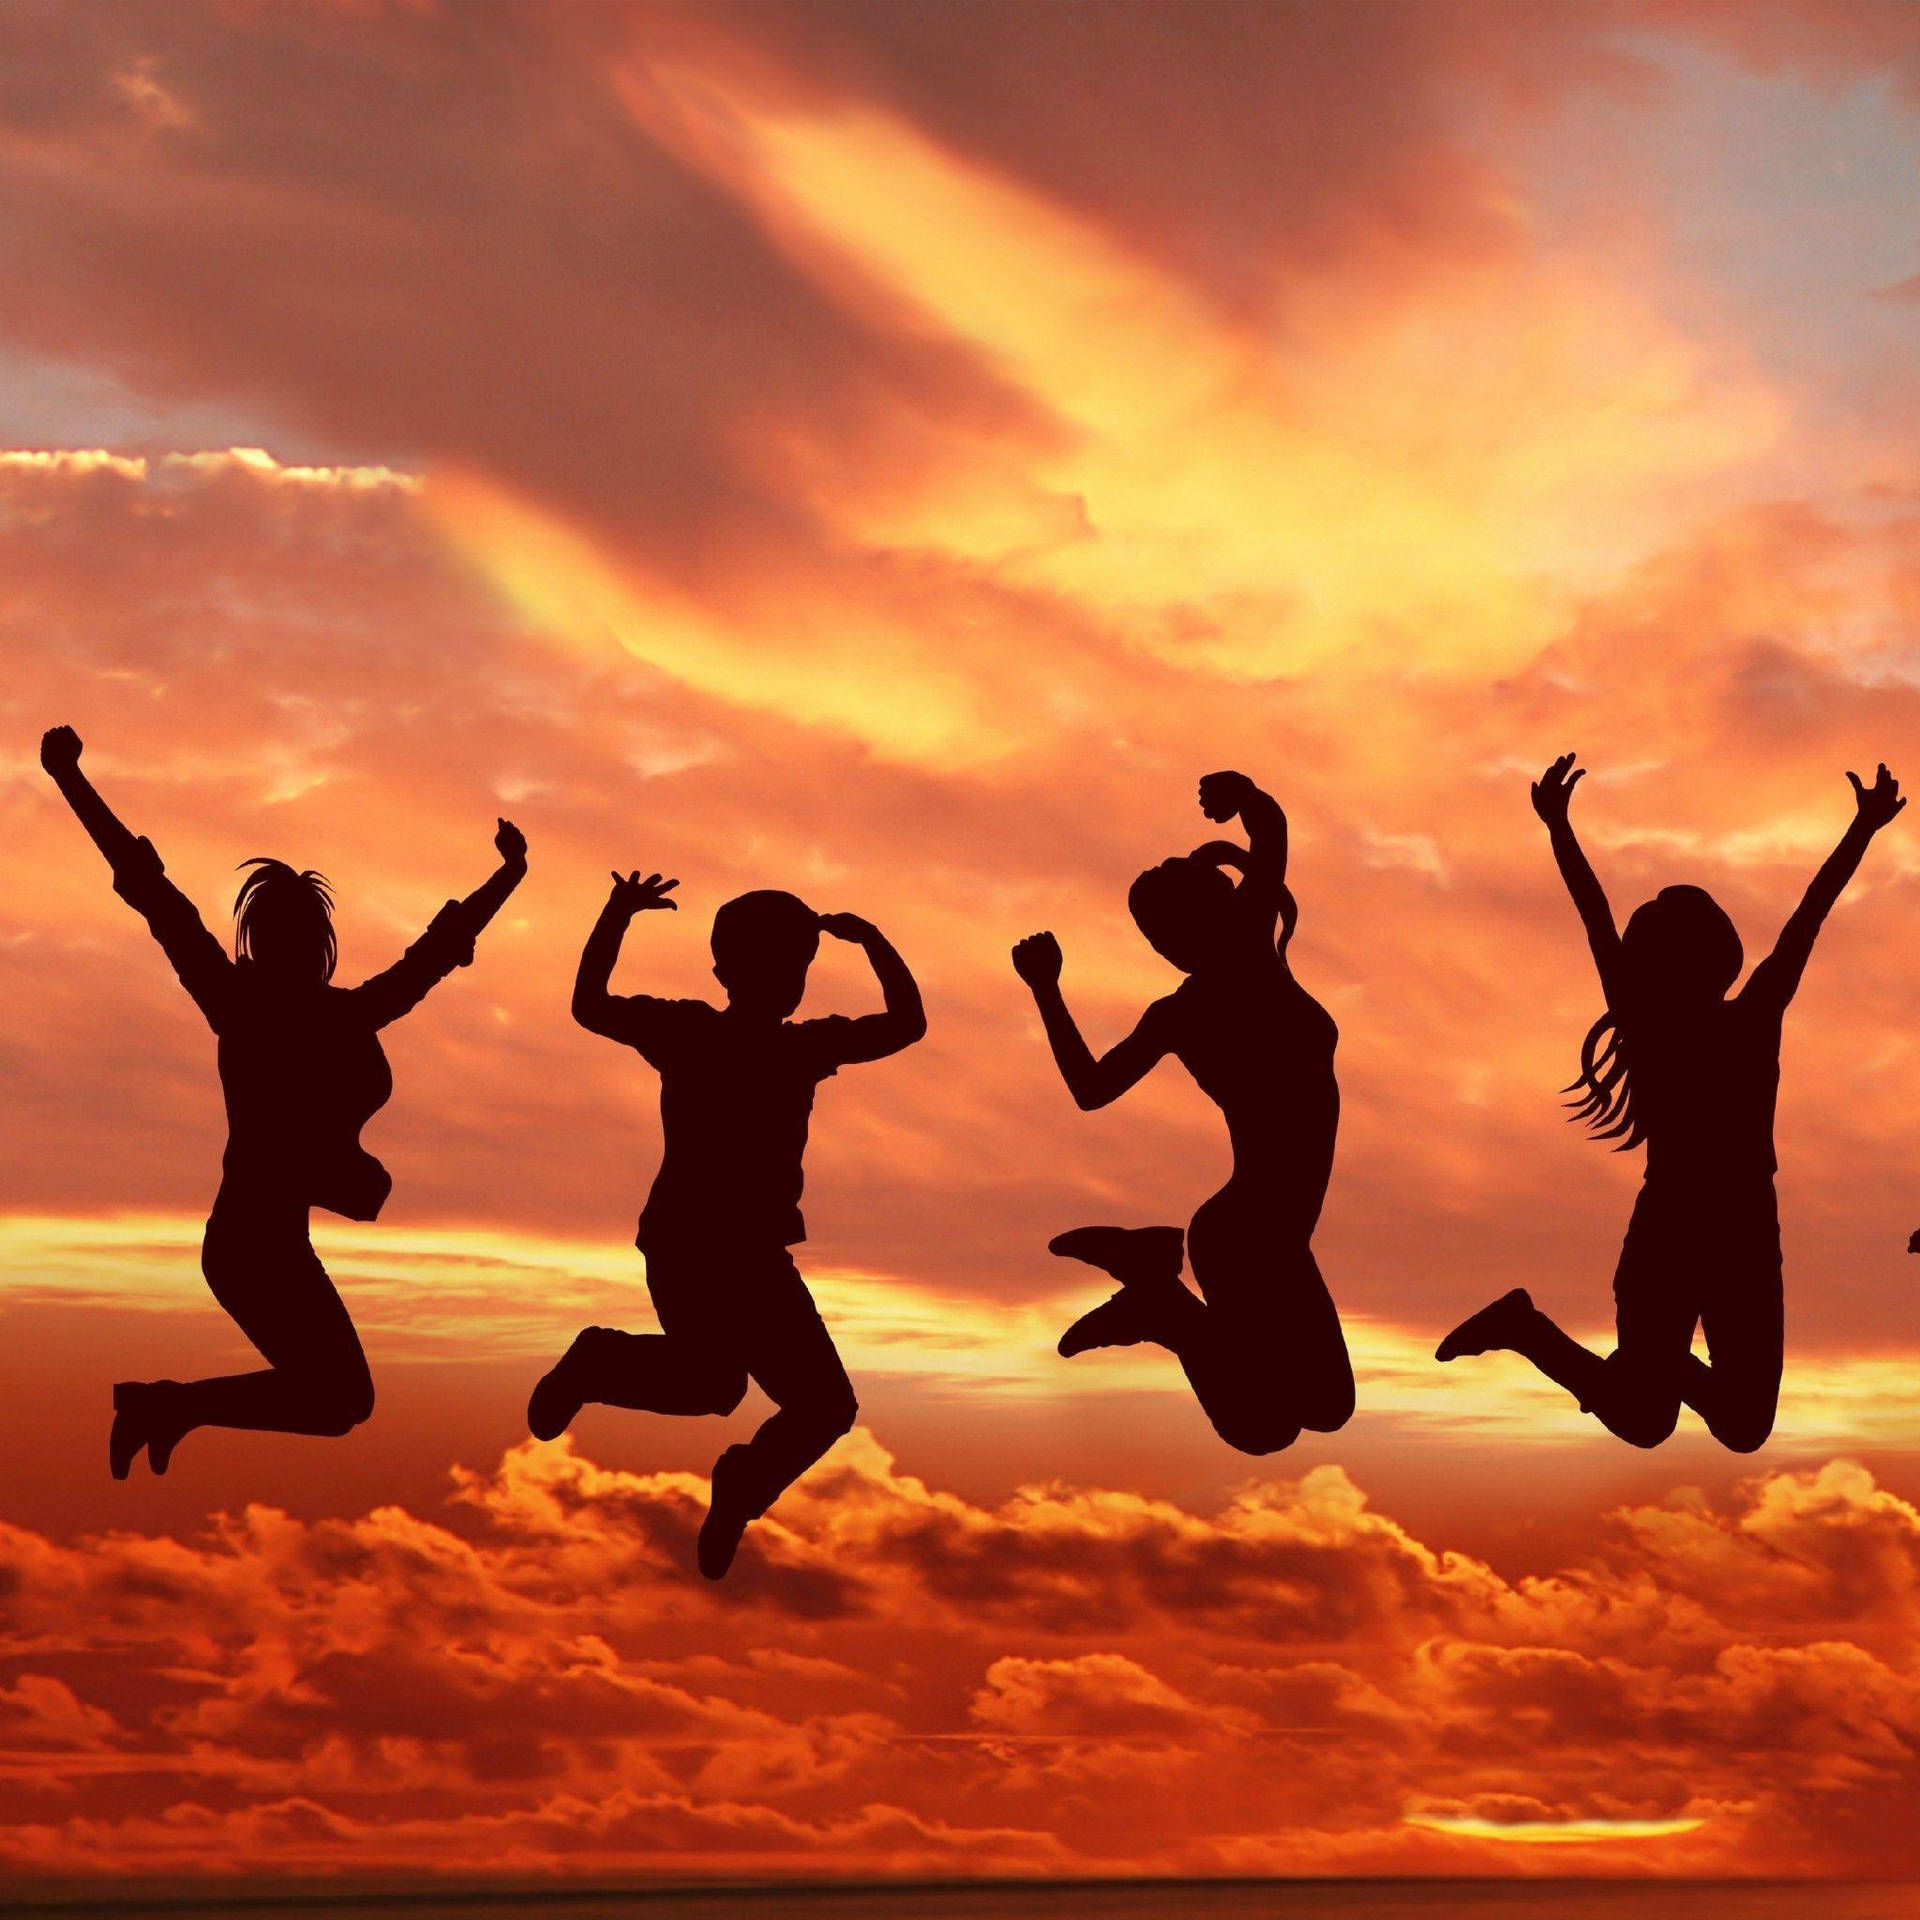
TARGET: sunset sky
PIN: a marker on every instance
(891, 451)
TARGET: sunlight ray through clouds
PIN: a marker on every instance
(1359, 490)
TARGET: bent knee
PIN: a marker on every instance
(828, 1414)
(839, 1412)
(725, 1391)
(1645, 1426)
(1327, 1411)
(355, 1403)
(1257, 1436)
(338, 1403)
(1744, 1435)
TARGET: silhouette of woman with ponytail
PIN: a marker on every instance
(1261, 1346)
(302, 1071)
(1678, 1063)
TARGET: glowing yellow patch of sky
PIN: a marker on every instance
(840, 667)
(1417, 487)
(462, 1294)
(1392, 490)
(1552, 1832)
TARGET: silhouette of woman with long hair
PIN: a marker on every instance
(1261, 1346)
(302, 1071)
(1679, 1063)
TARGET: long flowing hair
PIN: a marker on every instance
(1679, 949)
(274, 890)
(1605, 1086)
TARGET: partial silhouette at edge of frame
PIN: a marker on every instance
(1261, 1343)
(1681, 1064)
(737, 1085)
(302, 1071)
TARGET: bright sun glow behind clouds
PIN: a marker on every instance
(1418, 487)
(1390, 494)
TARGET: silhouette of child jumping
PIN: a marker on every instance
(1676, 1063)
(736, 1091)
(302, 1071)
(1262, 1347)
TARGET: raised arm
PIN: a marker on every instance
(448, 941)
(1092, 1082)
(875, 1035)
(140, 879)
(479, 907)
(1777, 977)
(593, 1006)
(1552, 795)
(60, 755)
(1263, 864)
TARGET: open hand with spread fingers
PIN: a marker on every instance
(1874, 806)
(632, 894)
(1553, 791)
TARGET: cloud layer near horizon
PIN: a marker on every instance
(897, 1681)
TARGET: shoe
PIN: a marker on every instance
(562, 1390)
(129, 1434)
(729, 1513)
(1125, 1320)
(144, 1416)
(1495, 1326)
(1130, 1254)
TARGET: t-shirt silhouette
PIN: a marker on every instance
(736, 1094)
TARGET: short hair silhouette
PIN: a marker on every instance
(737, 1087)
(283, 919)
(765, 927)
(764, 942)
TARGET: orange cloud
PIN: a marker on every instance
(1076, 1681)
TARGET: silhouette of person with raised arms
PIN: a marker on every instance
(737, 1086)
(1261, 1346)
(1693, 1071)
(302, 1071)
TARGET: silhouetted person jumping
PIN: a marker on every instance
(1262, 1346)
(736, 1092)
(302, 1070)
(1676, 1063)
